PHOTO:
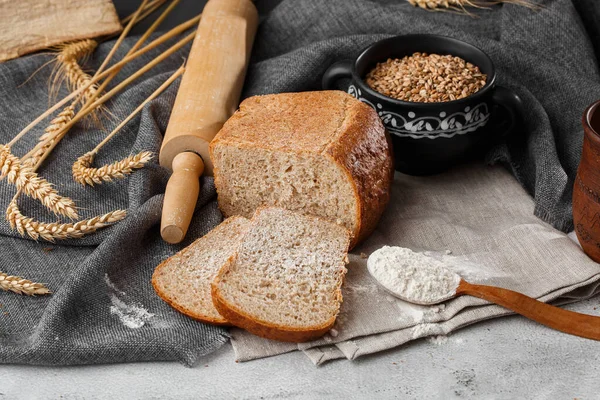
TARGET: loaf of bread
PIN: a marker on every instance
(284, 282)
(183, 280)
(319, 153)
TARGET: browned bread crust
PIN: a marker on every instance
(184, 310)
(365, 139)
(331, 123)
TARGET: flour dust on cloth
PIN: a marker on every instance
(485, 218)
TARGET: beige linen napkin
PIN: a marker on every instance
(484, 217)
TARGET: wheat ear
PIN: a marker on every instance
(55, 230)
(84, 174)
(28, 181)
(19, 285)
(459, 5)
(444, 5)
(49, 136)
(68, 68)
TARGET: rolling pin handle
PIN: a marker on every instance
(181, 196)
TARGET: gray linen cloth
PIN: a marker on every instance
(484, 217)
(103, 308)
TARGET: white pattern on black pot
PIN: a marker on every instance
(429, 138)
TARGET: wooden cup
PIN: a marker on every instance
(586, 191)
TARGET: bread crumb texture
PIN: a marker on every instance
(286, 276)
(184, 280)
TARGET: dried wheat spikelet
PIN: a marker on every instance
(84, 174)
(19, 285)
(63, 118)
(459, 5)
(69, 69)
(51, 132)
(28, 181)
(55, 230)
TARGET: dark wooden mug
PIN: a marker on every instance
(586, 191)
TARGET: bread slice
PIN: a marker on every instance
(319, 153)
(284, 281)
(183, 280)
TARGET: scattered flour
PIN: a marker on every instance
(408, 312)
(463, 266)
(437, 309)
(112, 285)
(423, 330)
(132, 316)
(443, 339)
(360, 289)
(340, 320)
(437, 340)
(414, 277)
(432, 313)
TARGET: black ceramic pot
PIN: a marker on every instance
(431, 137)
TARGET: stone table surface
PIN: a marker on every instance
(505, 358)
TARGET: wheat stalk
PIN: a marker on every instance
(82, 173)
(27, 181)
(82, 113)
(117, 66)
(19, 285)
(459, 5)
(137, 44)
(55, 230)
(148, 9)
(122, 36)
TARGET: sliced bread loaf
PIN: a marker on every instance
(319, 153)
(284, 281)
(184, 280)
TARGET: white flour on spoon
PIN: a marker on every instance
(412, 276)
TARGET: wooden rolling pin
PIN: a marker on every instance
(208, 95)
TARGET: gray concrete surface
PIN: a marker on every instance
(507, 358)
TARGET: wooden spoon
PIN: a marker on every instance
(577, 324)
(416, 281)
